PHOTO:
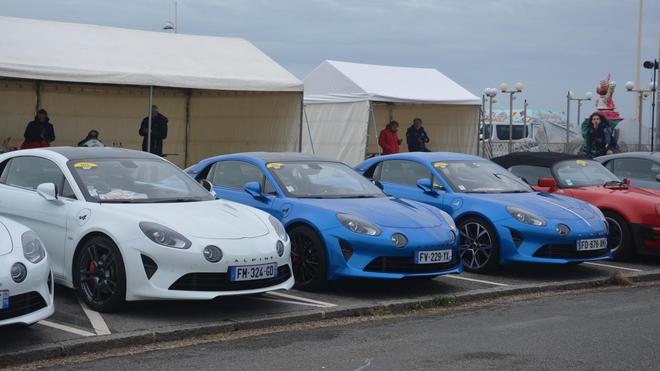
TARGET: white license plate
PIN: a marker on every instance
(594, 244)
(431, 257)
(4, 299)
(253, 272)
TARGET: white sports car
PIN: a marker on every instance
(123, 225)
(26, 283)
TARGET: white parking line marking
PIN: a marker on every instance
(475, 280)
(613, 266)
(300, 298)
(290, 302)
(99, 325)
(66, 328)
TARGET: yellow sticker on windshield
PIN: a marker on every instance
(440, 165)
(274, 165)
(581, 162)
(85, 165)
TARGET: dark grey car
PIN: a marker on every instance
(643, 168)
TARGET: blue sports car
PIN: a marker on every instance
(340, 224)
(500, 218)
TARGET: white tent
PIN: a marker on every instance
(347, 104)
(220, 94)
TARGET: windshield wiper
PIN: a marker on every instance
(615, 184)
(173, 200)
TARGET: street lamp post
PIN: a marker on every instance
(490, 93)
(504, 88)
(569, 97)
(653, 66)
(173, 25)
(641, 94)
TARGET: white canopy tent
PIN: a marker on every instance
(220, 94)
(347, 104)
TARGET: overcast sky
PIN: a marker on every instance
(550, 45)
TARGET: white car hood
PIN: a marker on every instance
(5, 240)
(206, 219)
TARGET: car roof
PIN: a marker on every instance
(274, 156)
(87, 153)
(430, 156)
(655, 156)
(542, 159)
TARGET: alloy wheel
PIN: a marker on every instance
(476, 245)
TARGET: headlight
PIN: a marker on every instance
(358, 225)
(279, 228)
(449, 220)
(598, 212)
(164, 236)
(526, 217)
(33, 250)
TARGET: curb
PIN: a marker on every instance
(164, 334)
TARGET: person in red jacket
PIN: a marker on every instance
(388, 139)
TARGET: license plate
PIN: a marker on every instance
(253, 272)
(594, 244)
(431, 257)
(4, 299)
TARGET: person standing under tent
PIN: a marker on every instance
(416, 137)
(39, 132)
(158, 131)
(388, 139)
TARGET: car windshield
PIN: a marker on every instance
(135, 181)
(480, 177)
(582, 173)
(322, 180)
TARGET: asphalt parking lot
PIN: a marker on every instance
(73, 321)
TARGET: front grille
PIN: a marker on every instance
(567, 252)
(150, 266)
(406, 264)
(221, 281)
(23, 304)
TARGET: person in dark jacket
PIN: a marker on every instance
(599, 138)
(388, 139)
(158, 131)
(416, 137)
(40, 132)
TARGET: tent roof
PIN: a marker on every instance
(45, 50)
(334, 81)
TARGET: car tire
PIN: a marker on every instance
(478, 246)
(619, 236)
(308, 258)
(99, 275)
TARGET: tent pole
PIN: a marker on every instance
(300, 129)
(372, 120)
(187, 128)
(38, 96)
(151, 102)
(309, 131)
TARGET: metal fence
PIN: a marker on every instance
(495, 149)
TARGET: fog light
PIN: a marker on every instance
(212, 253)
(18, 272)
(563, 230)
(280, 248)
(399, 240)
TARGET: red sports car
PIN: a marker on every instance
(632, 213)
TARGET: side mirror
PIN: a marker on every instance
(206, 184)
(48, 191)
(548, 183)
(425, 185)
(254, 189)
(626, 181)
